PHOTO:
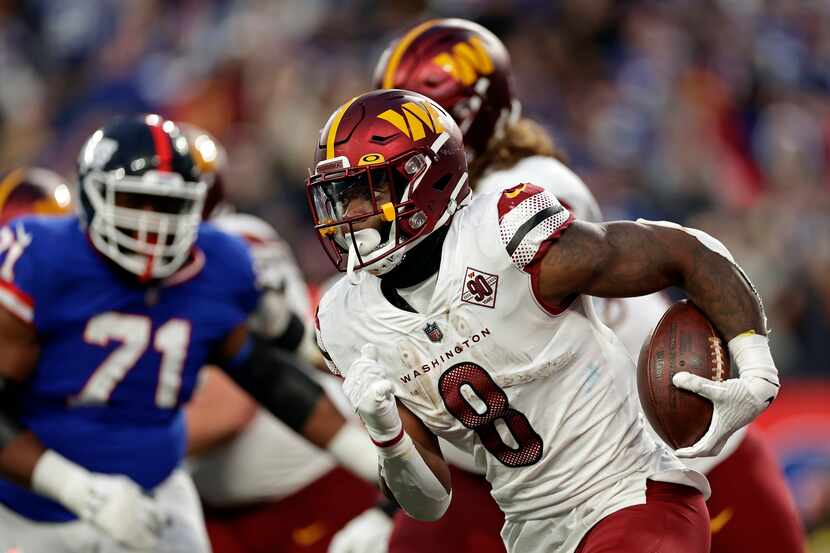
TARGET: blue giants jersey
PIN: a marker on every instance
(117, 359)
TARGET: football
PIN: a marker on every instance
(684, 340)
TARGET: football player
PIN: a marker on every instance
(471, 319)
(467, 70)
(265, 487)
(107, 317)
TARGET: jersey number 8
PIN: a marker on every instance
(483, 412)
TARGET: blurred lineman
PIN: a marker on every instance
(266, 488)
(467, 70)
(107, 318)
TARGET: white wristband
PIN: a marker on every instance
(752, 355)
(58, 478)
(413, 483)
(397, 448)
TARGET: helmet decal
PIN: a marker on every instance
(466, 62)
(417, 116)
(370, 159)
(98, 150)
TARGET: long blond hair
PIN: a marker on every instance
(525, 138)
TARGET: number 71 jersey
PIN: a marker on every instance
(538, 393)
(117, 359)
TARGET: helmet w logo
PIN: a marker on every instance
(415, 117)
(467, 61)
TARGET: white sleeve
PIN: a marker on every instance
(415, 486)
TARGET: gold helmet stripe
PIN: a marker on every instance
(333, 129)
(400, 49)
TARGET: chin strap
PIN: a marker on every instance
(354, 278)
(363, 241)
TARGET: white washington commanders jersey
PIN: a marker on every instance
(537, 393)
(631, 319)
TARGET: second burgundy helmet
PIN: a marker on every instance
(462, 66)
(389, 169)
(33, 190)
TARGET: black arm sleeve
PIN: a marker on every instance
(10, 426)
(274, 378)
(292, 337)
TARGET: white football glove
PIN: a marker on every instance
(372, 396)
(366, 533)
(114, 504)
(737, 401)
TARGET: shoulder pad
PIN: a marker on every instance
(528, 216)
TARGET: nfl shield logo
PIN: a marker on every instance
(433, 332)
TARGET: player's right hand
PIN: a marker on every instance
(367, 533)
(737, 401)
(112, 503)
(372, 396)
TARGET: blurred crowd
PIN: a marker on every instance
(714, 113)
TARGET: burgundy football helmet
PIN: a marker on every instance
(211, 159)
(462, 66)
(390, 168)
(32, 190)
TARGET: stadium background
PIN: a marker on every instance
(714, 114)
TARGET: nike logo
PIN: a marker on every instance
(717, 523)
(776, 384)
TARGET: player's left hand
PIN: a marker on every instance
(372, 396)
(737, 401)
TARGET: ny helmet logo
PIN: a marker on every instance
(479, 288)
